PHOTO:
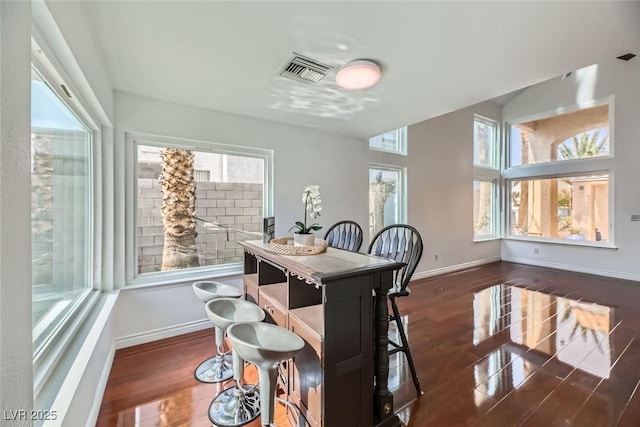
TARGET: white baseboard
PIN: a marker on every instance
(158, 334)
(574, 268)
(92, 419)
(453, 268)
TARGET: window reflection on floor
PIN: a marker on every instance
(540, 329)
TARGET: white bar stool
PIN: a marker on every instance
(265, 345)
(239, 404)
(217, 368)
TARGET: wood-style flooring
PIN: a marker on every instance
(498, 345)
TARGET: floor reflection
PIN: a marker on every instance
(535, 330)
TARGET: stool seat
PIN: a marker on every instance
(224, 312)
(217, 368)
(207, 290)
(237, 405)
(263, 344)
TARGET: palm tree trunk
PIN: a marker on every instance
(178, 210)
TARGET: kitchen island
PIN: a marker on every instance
(337, 302)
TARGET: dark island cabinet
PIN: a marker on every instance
(335, 301)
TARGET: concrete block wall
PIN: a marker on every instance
(231, 211)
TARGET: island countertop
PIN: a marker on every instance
(334, 264)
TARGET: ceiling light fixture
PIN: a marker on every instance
(359, 74)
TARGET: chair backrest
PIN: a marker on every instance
(402, 243)
(344, 235)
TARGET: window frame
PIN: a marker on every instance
(51, 353)
(402, 135)
(493, 175)
(132, 141)
(401, 188)
(561, 169)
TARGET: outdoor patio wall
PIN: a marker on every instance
(232, 204)
(612, 78)
(302, 156)
(440, 191)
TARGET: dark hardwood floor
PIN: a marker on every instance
(498, 345)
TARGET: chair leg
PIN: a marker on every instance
(405, 345)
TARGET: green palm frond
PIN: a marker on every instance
(584, 145)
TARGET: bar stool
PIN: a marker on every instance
(239, 404)
(265, 345)
(217, 368)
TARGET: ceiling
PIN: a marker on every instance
(436, 57)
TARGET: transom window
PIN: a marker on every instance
(394, 141)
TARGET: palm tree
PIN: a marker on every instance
(585, 144)
(178, 209)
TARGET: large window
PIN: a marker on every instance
(486, 178)
(61, 210)
(394, 141)
(387, 200)
(559, 177)
(194, 205)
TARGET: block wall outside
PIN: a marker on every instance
(235, 207)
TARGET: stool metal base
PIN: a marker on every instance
(235, 406)
(215, 369)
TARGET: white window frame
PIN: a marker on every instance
(489, 174)
(52, 354)
(133, 140)
(401, 188)
(561, 169)
(401, 134)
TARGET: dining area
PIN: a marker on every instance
(305, 340)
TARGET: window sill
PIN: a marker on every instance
(382, 150)
(583, 243)
(486, 239)
(151, 280)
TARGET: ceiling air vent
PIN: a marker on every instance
(304, 69)
(627, 56)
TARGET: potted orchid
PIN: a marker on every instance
(304, 235)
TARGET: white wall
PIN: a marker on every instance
(613, 78)
(301, 156)
(16, 361)
(440, 191)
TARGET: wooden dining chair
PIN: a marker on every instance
(402, 243)
(345, 235)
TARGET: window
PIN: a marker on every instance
(61, 210)
(559, 177)
(485, 143)
(386, 197)
(577, 135)
(394, 141)
(484, 208)
(568, 207)
(194, 205)
(486, 178)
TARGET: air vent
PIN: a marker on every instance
(627, 56)
(304, 69)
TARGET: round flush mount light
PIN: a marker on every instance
(359, 74)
